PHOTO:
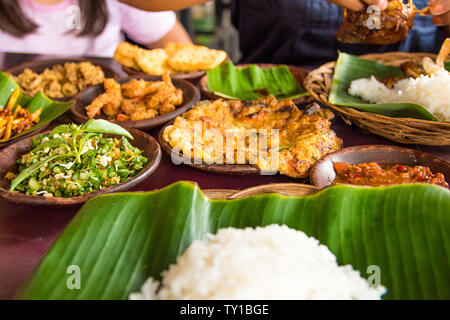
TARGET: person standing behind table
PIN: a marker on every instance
(302, 32)
(83, 27)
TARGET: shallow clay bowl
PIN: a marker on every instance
(191, 77)
(287, 189)
(323, 174)
(234, 169)
(298, 73)
(191, 96)
(39, 66)
(9, 155)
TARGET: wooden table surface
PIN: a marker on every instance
(26, 233)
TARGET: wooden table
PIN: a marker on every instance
(26, 233)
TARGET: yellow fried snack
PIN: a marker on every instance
(153, 61)
(126, 54)
(172, 48)
(196, 58)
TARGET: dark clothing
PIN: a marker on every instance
(302, 32)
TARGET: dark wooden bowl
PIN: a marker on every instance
(9, 155)
(39, 66)
(191, 96)
(191, 77)
(298, 73)
(287, 189)
(234, 169)
(323, 174)
(32, 133)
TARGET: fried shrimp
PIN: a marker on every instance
(136, 99)
(110, 101)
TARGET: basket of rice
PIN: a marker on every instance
(400, 96)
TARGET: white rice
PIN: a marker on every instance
(428, 91)
(268, 263)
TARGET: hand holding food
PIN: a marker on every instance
(360, 5)
(441, 11)
(390, 26)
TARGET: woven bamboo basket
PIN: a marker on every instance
(402, 130)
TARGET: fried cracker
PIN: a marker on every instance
(196, 58)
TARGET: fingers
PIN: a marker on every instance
(360, 5)
(441, 11)
(382, 4)
(442, 20)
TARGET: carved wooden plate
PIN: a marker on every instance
(288, 189)
(234, 169)
(191, 96)
(9, 155)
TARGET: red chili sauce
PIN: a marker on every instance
(373, 174)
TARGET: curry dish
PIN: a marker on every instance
(304, 137)
(373, 174)
(136, 99)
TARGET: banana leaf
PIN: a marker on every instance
(50, 109)
(253, 82)
(350, 67)
(119, 240)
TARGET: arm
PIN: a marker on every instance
(359, 5)
(441, 11)
(177, 34)
(162, 5)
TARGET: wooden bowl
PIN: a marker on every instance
(323, 174)
(191, 96)
(39, 66)
(191, 77)
(298, 73)
(233, 169)
(9, 155)
(287, 189)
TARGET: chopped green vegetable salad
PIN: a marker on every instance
(74, 160)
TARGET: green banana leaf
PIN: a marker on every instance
(253, 82)
(350, 67)
(119, 240)
(50, 109)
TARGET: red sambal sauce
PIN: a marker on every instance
(373, 174)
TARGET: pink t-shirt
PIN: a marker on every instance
(55, 22)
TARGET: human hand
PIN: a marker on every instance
(359, 5)
(441, 11)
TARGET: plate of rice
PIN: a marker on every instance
(266, 263)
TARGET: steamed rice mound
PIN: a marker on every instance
(428, 91)
(268, 263)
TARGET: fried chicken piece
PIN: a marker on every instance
(90, 74)
(110, 101)
(130, 106)
(71, 70)
(139, 88)
(395, 23)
